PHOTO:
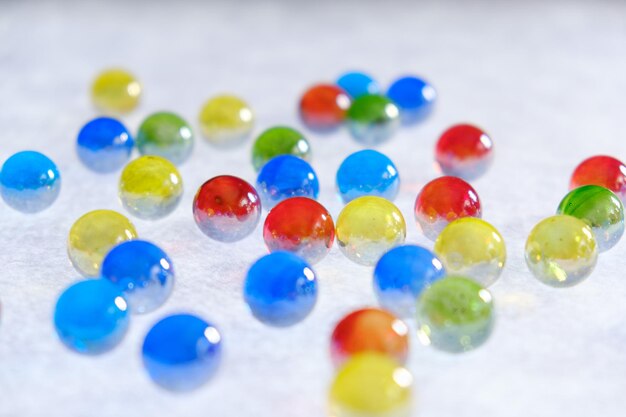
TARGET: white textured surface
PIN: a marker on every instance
(546, 79)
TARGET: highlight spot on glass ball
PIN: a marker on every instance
(150, 187)
(367, 227)
(115, 91)
(226, 121)
(302, 226)
(442, 201)
(280, 289)
(182, 352)
(455, 314)
(279, 140)
(358, 84)
(604, 171)
(286, 176)
(29, 182)
(464, 151)
(91, 316)
(373, 119)
(414, 96)
(104, 145)
(226, 208)
(323, 107)
(167, 135)
(367, 172)
(561, 251)
(369, 330)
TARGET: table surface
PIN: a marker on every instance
(546, 79)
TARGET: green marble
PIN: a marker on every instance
(373, 119)
(279, 141)
(167, 135)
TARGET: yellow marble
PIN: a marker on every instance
(115, 91)
(226, 120)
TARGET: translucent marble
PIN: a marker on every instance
(473, 248)
(402, 274)
(601, 170)
(455, 314)
(115, 91)
(373, 119)
(323, 107)
(276, 141)
(414, 96)
(93, 235)
(91, 316)
(286, 176)
(358, 84)
(150, 187)
(561, 251)
(367, 172)
(369, 330)
(226, 121)
(29, 182)
(442, 201)
(104, 145)
(601, 209)
(302, 226)
(167, 135)
(142, 271)
(371, 385)
(464, 151)
(226, 208)
(367, 227)
(182, 352)
(280, 289)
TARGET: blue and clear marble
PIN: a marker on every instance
(367, 172)
(402, 274)
(91, 316)
(358, 84)
(286, 176)
(142, 271)
(104, 145)
(414, 96)
(182, 352)
(29, 182)
(280, 289)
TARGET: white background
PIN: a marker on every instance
(546, 79)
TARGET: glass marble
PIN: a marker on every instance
(93, 235)
(402, 274)
(455, 314)
(167, 135)
(473, 248)
(226, 121)
(561, 251)
(464, 151)
(414, 96)
(29, 182)
(150, 187)
(286, 176)
(182, 352)
(302, 226)
(442, 201)
(601, 209)
(367, 227)
(367, 172)
(372, 119)
(358, 84)
(369, 330)
(276, 141)
(604, 171)
(91, 316)
(371, 385)
(226, 208)
(115, 91)
(323, 107)
(104, 145)
(142, 271)
(280, 289)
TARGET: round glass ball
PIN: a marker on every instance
(104, 145)
(601, 170)
(414, 96)
(358, 84)
(167, 135)
(279, 140)
(115, 91)
(367, 172)
(373, 119)
(226, 121)
(323, 107)
(286, 176)
(464, 151)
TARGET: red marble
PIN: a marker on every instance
(602, 170)
(324, 107)
(465, 151)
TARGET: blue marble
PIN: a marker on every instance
(357, 84)
(29, 182)
(414, 96)
(402, 274)
(142, 271)
(367, 172)
(286, 176)
(182, 352)
(104, 145)
(280, 289)
(91, 316)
